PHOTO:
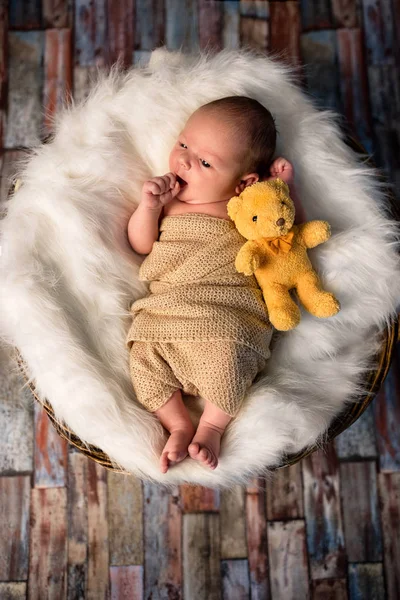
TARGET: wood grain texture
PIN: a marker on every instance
(90, 33)
(354, 85)
(256, 526)
(201, 556)
(316, 14)
(285, 494)
(127, 582)
(57, 13)
(48, 543)
(26, 14)
(182, 25)
(387, 415)
(389, 498)
(57, 74)
(51, 452)
(235, 580)
(125, 510)
(231, 24)
(285, 28)
(366, 581)
(325, 540)
(77, 524)
(210, 24)
(24, 119)
(288, 559)
(120, 22)
(254, 33)
(14, 525)
(198, 498)
(232, 523)
(162, 530)
(98, 585)
(344, 13)
(362, 527)
(149, 24)
(359, 440)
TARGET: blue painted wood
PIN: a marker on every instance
(182, 25)
(90, 33)
(231, 24)
(387, 416)
(319, 55)
(379, 31)
(235, 579)
(359, 440)
(366, 582)
(25, 14)
(316, 14)
(149, 24)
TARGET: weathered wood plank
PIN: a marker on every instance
(316, 14)
(24, 119)
(201, 557)
(51, 452)
(319, 55)
(141, 57)
(232, 523)
(366, 581)
(98, 553)
(210, 24)
(354, 84)
(14, 527)
(57, 13)
(198, 498)
(257, 9)
(256, 527)
(329, 589)
(378, 32)
(127, 582)
(125, 515)
(90, 33)
(182, 33)
(58, 74)
(3, 67)
(77, 525)
(13, 590)
(162, 535)
(48, 546)
(149, 24)
(344, 13)
(231, 24)
(16, 415)
(120, 34)
(25, 15)
(387, 418)
(254, 33)
(285, 26)
(235, 580)
(285, 494)
(361, 519)
(325, 540)
(359, 440)
(389, 501)
(288, 559)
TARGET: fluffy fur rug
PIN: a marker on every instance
(68, 274)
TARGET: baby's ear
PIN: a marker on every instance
(233, 206)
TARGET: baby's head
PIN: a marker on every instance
(224, 146)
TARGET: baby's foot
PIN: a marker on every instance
(206, 444)
(175, 449)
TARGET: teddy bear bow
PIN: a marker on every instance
(281, 243)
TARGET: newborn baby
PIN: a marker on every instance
(203, 329)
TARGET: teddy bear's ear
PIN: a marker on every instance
(233, 206)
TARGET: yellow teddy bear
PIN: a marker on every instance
(277, 252)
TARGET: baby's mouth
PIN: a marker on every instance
(182, 182)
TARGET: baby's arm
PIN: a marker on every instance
(143, 226)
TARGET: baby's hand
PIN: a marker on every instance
(158, 191)
(283, 169)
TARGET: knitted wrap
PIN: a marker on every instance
(196, 294)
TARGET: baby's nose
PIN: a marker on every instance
(280, 222)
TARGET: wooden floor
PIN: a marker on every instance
(327, 528)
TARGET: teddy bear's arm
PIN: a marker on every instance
(314, 233)
(249, 258)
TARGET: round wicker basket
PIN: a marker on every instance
(347, 417)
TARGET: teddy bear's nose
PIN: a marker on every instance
(280, 222)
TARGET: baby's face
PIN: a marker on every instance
(207, 157)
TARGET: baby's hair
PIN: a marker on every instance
(254, 125)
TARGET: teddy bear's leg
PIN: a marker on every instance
(284, 313)
(314, 299)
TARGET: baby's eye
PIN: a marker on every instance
(182, 144)
(205, 163)
(254, 218)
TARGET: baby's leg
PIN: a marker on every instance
(206, 443)
(174, 416)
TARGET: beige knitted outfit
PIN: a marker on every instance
(203, 328)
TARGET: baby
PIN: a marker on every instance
(225, 146)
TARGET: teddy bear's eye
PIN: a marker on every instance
(284, 203)
(254, 218)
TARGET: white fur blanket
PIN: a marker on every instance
(68, 274)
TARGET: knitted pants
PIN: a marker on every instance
(219, 371)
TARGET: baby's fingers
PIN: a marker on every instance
(168, 196)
